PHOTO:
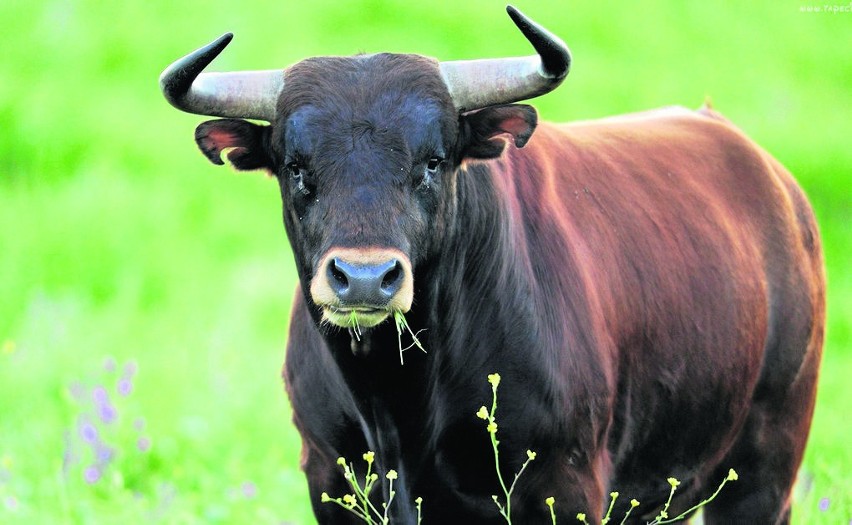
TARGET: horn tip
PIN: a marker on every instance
(555, 55)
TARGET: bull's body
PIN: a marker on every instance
(650, 289)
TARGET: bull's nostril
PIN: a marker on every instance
(337, 274)
(391, 280)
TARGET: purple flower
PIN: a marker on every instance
(824, 503)
(92, 475)
(249, 489)
(77, 391)
(143, 444)
(130, 369)
(106, 411)
(109, 365)
(88, 431)
(103, 453)
(12, 503)
(125, 386)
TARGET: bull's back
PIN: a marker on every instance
(703, 257)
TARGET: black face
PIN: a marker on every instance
(363, 167)
(365, 150)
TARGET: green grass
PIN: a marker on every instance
(118, 239)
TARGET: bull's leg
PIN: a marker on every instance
(767, 456)
(325, 475)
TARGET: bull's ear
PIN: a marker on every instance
(482, 130)
(249, 143)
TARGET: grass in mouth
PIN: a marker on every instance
(354, 327)
(402, 326)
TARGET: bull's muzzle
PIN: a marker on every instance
(364, 284)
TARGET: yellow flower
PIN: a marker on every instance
(531, 455)
(492, 427)
(673, 482)
(732, 475)
(369, 456)
(483, 413)
(634, 503)
(494, 379)
(550, 501)
(349, 500)
(391, 474)
(663, 514)
(341, 461)
(324, 497)
(419, 500)
(581, 517)
(613, 495)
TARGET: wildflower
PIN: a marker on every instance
(349, 500)
(249, 489)
(125, 387)
(130, 369)
(106, 411)
(634, 503)
(732, 475)
(369, 457)
(494, 379)
(581, 517)
(419, 500)
(550, 501)
(483, 413)
(341, 461)
(663, 515)
(492, 427)
(324, 497)
(531, 455)
(88, 431)
(824, 503)
(143, 444)
(109, 365)
(103, 453)
(92, 475)
(673, 482)
(391, 475)
(12, 503)
(613, 495)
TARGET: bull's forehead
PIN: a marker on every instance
(383, 93)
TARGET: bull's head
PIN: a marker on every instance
(365, 150)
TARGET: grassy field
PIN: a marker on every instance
(143, 286)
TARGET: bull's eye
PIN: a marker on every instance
(300, 178)
(433, 164)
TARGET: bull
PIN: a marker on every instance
(650, 286)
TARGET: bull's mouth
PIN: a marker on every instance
(355, 317)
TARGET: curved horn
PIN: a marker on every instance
(476, 84)
(242, 94)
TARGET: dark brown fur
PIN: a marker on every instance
(649, 287)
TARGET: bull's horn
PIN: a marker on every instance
(243, 94)
(476, 84)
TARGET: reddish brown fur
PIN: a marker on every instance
(650, 287)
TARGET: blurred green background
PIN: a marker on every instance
(143, 285)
